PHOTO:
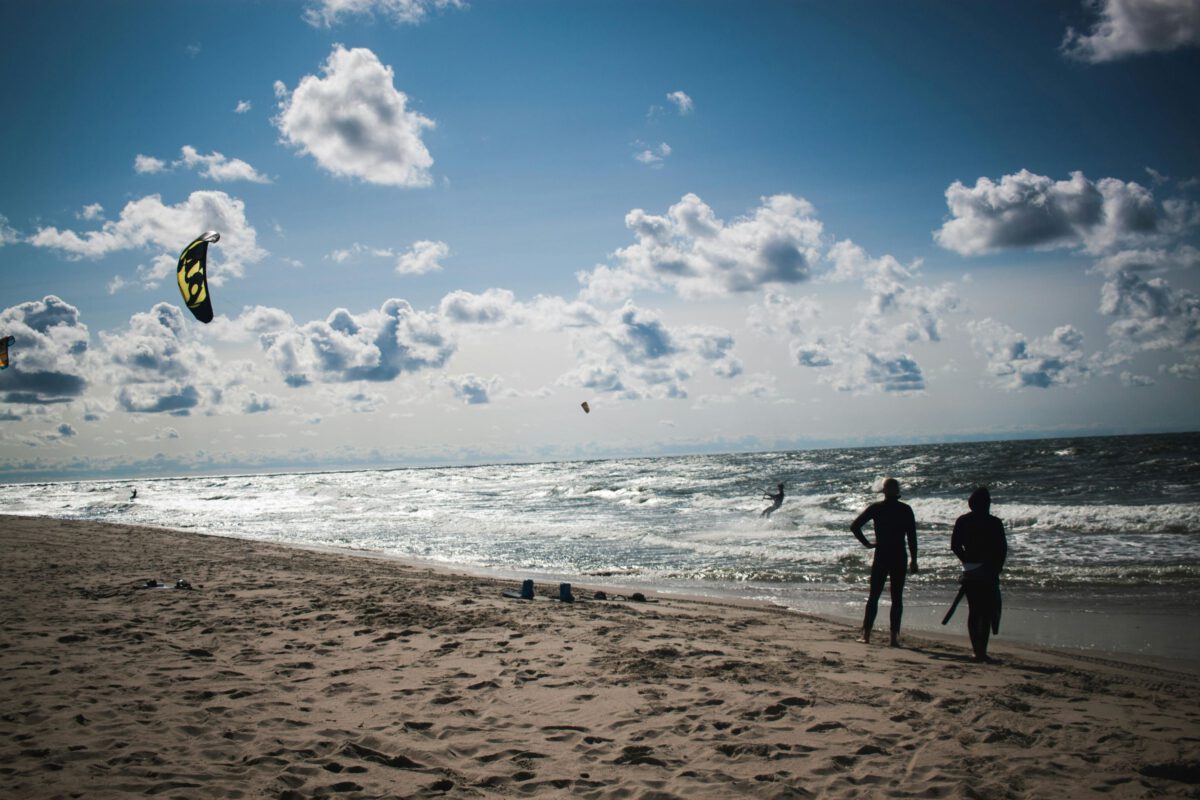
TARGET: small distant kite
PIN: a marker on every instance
(193, 277)
(586, 408)
(5, 341)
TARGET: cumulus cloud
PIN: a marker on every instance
(500, 307)
(256, 403)
(373, 346)
(781, 313)
(1149, 260)
(217, 167)
(148, 223)
(355, 123)
(1151, 315)
(93, 211)
(424, 256)
(148, 165)
(1133, 27)
(635, 354)
(242, 107)
(652, 156)
(472, 389)
(327, 13)
(681, 101)
(7, 234)
(693, 252)
(1028, 210)
(158, 366)
(48, 359)
(1018, 362)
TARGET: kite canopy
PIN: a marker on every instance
(5, 341)
(192, 274)
(586, 408)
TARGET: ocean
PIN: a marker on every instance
(1104, 533)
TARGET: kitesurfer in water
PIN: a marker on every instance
(776, 501)
(133, 495)
(979, 542)
(895, 526)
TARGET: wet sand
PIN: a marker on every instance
(289, 673)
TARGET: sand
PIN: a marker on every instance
(290, 673)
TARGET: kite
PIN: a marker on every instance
(586, 408)
(5, 341)
(193, 278)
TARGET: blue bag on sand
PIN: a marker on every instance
(564, 593)
(527, 589)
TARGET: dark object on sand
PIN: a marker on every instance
(182, 584)
(564, 593)
(600, 595)
(526, 592)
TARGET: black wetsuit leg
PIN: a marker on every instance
(881, 572)
(980, 599)
(897, 572)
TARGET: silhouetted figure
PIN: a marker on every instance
(133, 495)
(979, 542)
(895, 526)
(776, 502)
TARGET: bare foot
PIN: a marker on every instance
(895, 642)
(863, 640)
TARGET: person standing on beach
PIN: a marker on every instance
(979, 542)
(776, 502)
(895, 526)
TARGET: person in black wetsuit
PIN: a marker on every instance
(777, 501)
(979, 542)
(895, 526)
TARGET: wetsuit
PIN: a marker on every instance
(778, 501)
(895, 526)
(979, 538)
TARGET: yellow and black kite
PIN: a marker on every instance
(5, 341)
(193, 277)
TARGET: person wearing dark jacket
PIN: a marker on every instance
(979, 542)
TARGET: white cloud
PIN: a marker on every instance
(116, 284)
(1136, 381)
(92, 212)
(1018, 362)
(681, 101)
(256, 403)
(242, 107)
(217, 167)
(148, 223)
(7, 234)
(355, 123)
(424, 256)
(1149, 260)
(1132, 27)
(148, 165)
(781, 313)
(1151, 316)
(696, 254)
(1028, 210)
(472, 389)
(652, 156)
(327, 13)
(158, 365)
(372, 346)
(500, 307)
(635, 354)
(48, 358)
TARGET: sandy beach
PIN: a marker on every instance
(291, 673)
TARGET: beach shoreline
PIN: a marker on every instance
(291, 672)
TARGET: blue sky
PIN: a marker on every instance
(445, 224)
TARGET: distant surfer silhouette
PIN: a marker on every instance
(776, 502)
(133, 495)
(979, 542)
(895, 526)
